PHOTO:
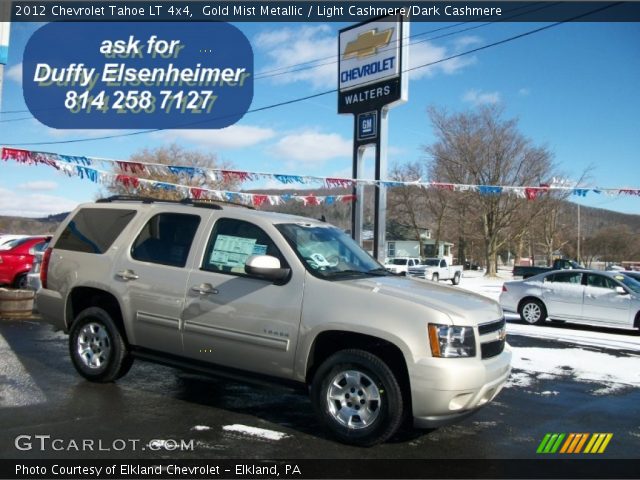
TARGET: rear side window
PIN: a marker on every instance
(93, 230)
(565, 277)
(166, 239)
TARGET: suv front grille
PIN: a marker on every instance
(492, 349)
(491, 327)
(493, 346)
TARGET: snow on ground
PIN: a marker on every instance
(583, 365)
(531, 364)
(200, 428)
(255, 432)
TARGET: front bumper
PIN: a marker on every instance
(444, 390)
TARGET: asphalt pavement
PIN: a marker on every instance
(48, 411)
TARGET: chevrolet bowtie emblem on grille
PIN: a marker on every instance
(367, 43)
(502, 334)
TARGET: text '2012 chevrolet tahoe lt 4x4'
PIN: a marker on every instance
(268, 296)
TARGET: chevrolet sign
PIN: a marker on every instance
(371, 55)
(367, 43)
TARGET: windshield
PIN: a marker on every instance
(328, 252)
(431, 262)
(399, 261)
(14, 243)
(629, 282)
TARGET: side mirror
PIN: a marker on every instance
(620, 290)
(266, 267)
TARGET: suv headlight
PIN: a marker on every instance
(448, 341)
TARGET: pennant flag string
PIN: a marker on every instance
(128, 167)
(94, 175)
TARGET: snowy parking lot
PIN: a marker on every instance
(565, 378)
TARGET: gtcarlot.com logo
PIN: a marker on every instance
(45, 443)
(573, 443)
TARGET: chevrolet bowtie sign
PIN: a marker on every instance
(367, 43)
(371, 57)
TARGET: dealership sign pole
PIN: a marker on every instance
(371, 59)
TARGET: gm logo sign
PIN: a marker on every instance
(367, 125)
(574, 443)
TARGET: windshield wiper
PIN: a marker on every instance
(379, 272)
(375, 272)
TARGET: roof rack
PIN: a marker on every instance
(207, 203)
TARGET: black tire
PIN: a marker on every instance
(532, 311)
(435, 277)
(456, 279)
(374, 377)
(107, 356)
(20, 281)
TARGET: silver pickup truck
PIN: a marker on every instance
(274, 298)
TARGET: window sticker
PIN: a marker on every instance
(230, 251)
(259, 249)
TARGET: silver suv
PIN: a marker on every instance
(266, 296)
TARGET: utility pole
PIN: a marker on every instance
(579, 234)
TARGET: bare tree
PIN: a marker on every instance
(408, 202)
(481, 148)
(141, 165)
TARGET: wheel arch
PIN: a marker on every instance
(532, 297)
(328, 342)
(81, 298)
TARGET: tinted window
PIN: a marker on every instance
(166, 239)
(600, 281)
(564, 277)
(93, 230)
(232, 242)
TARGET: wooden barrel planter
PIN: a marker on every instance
(16, 303)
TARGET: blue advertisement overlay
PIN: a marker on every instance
(138, 75)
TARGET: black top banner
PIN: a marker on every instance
(306, 469)
(322, 11)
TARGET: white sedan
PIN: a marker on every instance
(581, 296)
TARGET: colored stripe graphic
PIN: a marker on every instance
(550, 443)
(574, 443)
(598, 443)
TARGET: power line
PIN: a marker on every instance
(308, 97)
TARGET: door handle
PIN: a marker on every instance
(205, 289)
(127, 275)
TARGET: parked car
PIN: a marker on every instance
(33, 277)
(273, 298)
(558, 264)
(592, 297)
(7, 238)
(401, 265)
(16, 259)
(436, 269)
(469, 265)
